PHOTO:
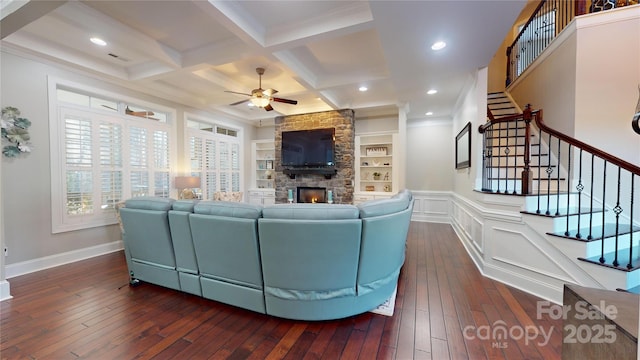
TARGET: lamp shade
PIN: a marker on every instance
(187, 182)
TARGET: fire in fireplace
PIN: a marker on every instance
(312, 194)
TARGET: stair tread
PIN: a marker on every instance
(596, 231)
(623, 260)
(562, 212)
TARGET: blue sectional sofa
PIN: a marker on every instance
(296, 261)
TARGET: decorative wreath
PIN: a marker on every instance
(15, 132)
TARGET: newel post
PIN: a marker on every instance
(527, 181)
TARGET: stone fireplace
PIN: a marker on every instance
(342, 183)
(307, 194)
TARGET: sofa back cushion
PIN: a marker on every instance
(229, 209)
(147, 234)
(309, 259)
(181, 235)
(310, 211)
(149, 203)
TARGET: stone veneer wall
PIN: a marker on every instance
(342, 182)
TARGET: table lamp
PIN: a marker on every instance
(185, 186)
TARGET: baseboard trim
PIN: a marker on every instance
(26, 267)
(5, 291)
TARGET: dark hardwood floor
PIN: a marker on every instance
(444, 309)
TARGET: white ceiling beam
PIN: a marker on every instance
(95, 21)
(17, 14)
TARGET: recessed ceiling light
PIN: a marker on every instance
(98, 41)
(429, 113)
(250, 104)
(363, 88)
(432, 91)
(438, 45)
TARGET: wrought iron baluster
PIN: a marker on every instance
(515, 157)
(499, 155)
(590, 236)
(618, 210)
(549, 171)
(579, 187)
(558, 183)
(507, 150)
(484, 161)
(490, 150)
(568, 189)
(630, 264)
(539, 167)
(604, 198)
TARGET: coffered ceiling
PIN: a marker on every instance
(316, 52)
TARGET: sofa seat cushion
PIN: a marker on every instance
(310, 211)
(228, 209)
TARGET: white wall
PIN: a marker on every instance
(26, 188)
(471, 107)
(430, 161)
(587, 81)
(549, 83)
(608, 81)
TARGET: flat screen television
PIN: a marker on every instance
(308, 148)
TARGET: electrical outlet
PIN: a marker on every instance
(6, 252)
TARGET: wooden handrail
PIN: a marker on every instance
(537, 115)
(482, 128)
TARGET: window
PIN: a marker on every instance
(103, 151)
(214, 153)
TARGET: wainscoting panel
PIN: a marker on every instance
(432, 206)
(508, 249)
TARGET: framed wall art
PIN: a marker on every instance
(463, 147)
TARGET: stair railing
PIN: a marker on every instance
(594, 190)
(545, 23)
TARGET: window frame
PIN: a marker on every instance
(61, 221)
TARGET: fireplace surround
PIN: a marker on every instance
(342, 183)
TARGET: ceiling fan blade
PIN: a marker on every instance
(235, 92)
(286, 101)
(269, 92)
(138, 113)
(268, 107)
(240, 102)
(109, 107)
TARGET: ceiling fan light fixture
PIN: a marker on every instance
(260, 101)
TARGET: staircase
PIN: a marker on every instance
(587, 199)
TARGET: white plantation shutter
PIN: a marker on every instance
(216, 160)
(138, 162)
(210, 168)
(111, 162)
(162, 182)
(79, 161)
(101, 158)
(225, 166)
(235, 167)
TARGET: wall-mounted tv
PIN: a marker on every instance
(308, 148)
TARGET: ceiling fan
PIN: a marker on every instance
(262, 98)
